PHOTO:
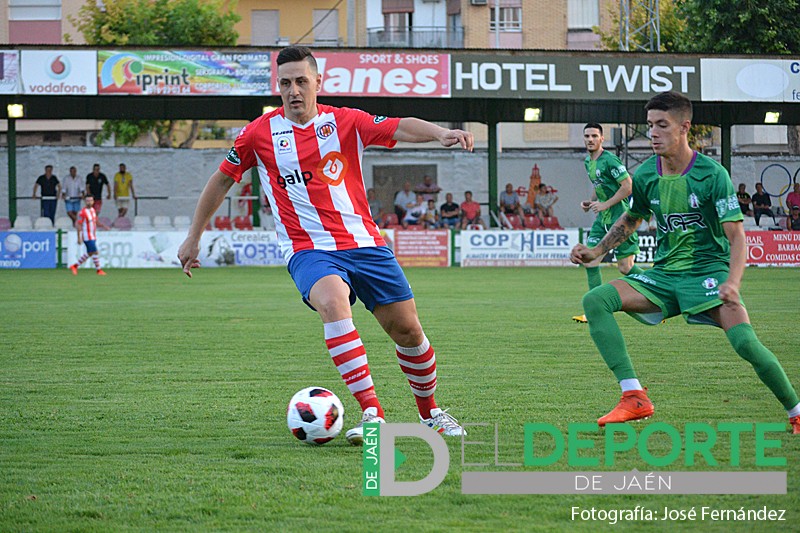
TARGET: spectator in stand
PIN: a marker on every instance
(123, 190)
(428, 188)
(762, 205)
(545, 200)
(404, 200)
(509, 205)
(744, 200)
(375, 207)
(470, 211)
(794, 197)
(431, 215)
(51, 192)
(416, 213)
(95, 181)
(450, 213)
(793, 220)
(73, 192)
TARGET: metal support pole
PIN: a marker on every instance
(12, 170)
(726, 145)
(256, 203)
(493, 145)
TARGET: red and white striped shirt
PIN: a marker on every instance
(87, 223)
(312, 175)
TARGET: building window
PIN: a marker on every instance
(264, 27)
(510, 19)
(34, 10)
(396, 21)
(582, 14)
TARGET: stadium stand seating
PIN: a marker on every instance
(64, 223)
(122, 224)
(43, 223)
(223, 223)
(533, 222)
(551, 223)
(182, 222)
(5, 224)
(142, 222)
(390, 220)
(514, 221)
(23, 222)
(103, 220)
(162, 223)
(243, 223)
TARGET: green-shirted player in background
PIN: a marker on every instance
(612, 187)
(698, 266)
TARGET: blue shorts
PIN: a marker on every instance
(372, 274)
(91, 247)
(73, 205)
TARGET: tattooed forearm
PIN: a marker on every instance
(621, 230)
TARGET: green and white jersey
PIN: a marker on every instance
(689, 209)
(606, 173)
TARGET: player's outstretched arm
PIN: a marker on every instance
(415, 130)
(210, 199)
(621, 230)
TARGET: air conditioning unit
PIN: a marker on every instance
(478, 2)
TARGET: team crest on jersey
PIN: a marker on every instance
(284, 145)
(379, 119)
(693, 201)
(326, 130)
(233, 157)
(333, 168)
(710, 283)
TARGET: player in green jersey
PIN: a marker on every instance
(612, 187)
(698, 265)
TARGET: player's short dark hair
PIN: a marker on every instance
(671, 102)
(290, 54)
(594, 125)
(48, 166)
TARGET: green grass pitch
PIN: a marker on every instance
(146, 401)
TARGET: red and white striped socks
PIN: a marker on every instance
(350, 358)
(419, 366)
(95, 258)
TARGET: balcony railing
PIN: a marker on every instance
(416, 37)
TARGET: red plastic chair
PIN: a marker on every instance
(551, 223)
(122, 223)
(243, 223)
(533, 222)
(390, 219)
(514, 221)
(223, 223)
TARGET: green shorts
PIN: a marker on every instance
(676, 293)
(629, 247)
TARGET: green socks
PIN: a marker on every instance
(600, 304)
(746, 343)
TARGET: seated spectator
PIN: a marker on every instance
(545, 200)
(416, 213)
(794, 197)
(449, 212)
(403, 200)
(428, 188)
(375, 207)
(762, 205)
(744, 200)
(510, 205)
(470, 211)
(431, 218)
(793, 220)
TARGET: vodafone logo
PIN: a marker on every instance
(59, 68)
(332, 168)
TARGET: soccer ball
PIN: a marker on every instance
(315, 415)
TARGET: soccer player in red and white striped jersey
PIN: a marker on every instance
(87, 234)
(309, 157)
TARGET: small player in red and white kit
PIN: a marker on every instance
(87, 235)
(308, 157)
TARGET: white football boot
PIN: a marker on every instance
(443, 423)
(355, 436)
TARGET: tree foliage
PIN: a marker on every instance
(672, 27)
(158, 23)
